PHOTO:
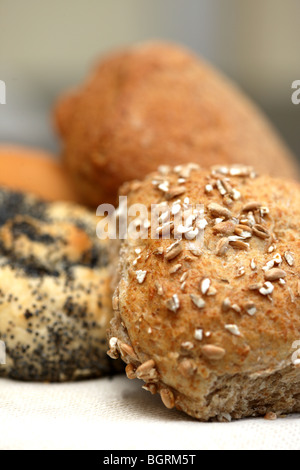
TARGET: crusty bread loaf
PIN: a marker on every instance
(55, 297)
(212, 324)
(37, 172)
(155, 104)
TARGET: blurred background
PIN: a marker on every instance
(48, 46)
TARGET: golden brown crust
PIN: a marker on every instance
(218, 324)
(55, 297)
(159, 104)
(37, 172)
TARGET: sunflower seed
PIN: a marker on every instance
(275, 274)
(194, 249)
(243, 231)
(219, 211)
(141, 276)
(198, 301)
(252, 206)
(212, 352)
(212, 292)
(221, 188)
(127, 350)
(226, 305)
(233, 329)
(175, 268)
(225, 228)
(236, 308)
(261, 232)
(147, 371)
(270, 416)
(239, 245)
(267, 289)
(237, 170)
(159, 288)
(184, 277)
(175, 191)
(222, 247)
(289, 257)
(198, 334)
(130, 371)
(251, 309)
(205, 285)
(167, 398)
(173, 303)
(164, 187)
(253, 265)
(173, 251)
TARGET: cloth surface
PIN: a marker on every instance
(116, 414)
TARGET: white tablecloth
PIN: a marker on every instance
(114, 414)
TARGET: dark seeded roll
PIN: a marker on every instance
(55, 301)
(212, 324)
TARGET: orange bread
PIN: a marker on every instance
(35, 171)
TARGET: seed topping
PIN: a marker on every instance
(173, 251)
(173, 303)
(198, 301)
(233, 329)
(266, 289)
(275, 274)
(198, 334)
(205, 285)
(167, 398)
(213, 353)
(216, 210)
(289, 257)
(141, 276)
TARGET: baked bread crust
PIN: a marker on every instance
(37, 172)
(154, 104)
(55, 297)
(212, 330)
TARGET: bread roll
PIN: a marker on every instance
(55, 297)
(156, 104)
(37, 172)
(213, 324)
